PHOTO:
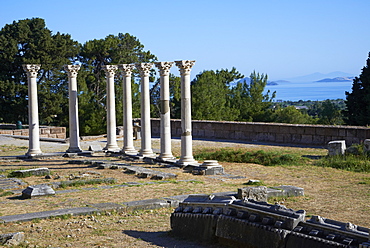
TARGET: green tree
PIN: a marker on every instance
(120, 49)
(211, 95)
(329, 114)
(30, 42)
(254, 104)
(291, 115)
(358, 101)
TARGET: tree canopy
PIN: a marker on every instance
(29, 41)
(358, 101)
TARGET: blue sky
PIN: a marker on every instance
(282, 38)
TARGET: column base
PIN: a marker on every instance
(167, 156)
(33, 152)
(73, 150)
(129, 151)
(186, 161)
(147, 153)
(112, 148)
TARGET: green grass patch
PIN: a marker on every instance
(79, 183)
(349, 162)
(9, 148)
(6, 193)
(267, 158)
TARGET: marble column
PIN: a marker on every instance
(186, 135)
(74, 133)
(165, 128)
(128, 139)
(33, 110)
(111, 109)
(146, 139)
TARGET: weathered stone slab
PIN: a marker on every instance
(209, 167)
(337, 147)
(12, 239)
(30, 172)
(37, 190)
(108, 206)
(11, 183)
(148, 173)
(47, 214)
(318, 231)
(254, 193)
(146, 204)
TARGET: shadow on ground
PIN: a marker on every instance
(165, 239)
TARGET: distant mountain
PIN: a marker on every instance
(337, 79)
(318, 76)
(248, 80)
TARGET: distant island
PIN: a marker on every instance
(337, 79)
(248, 80)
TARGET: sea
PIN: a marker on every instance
(314, 91)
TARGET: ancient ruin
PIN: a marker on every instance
(238, 219)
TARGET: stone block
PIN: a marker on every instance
(306, 139)
(12, 239)
(254, 193)
(244, 233)
(337, 147)
(30, 172)
(367, 145)
(194, 226)
(209, 167)
(145, 204)
(37, 190)
(322, 232)
(48, 214)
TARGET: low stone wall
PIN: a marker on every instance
(296, 134)
(45, 132)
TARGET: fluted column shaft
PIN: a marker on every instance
(146, 146)
(74, 133)
(165, 128)
(111, 109)
(33, 111)
(128, 139)
(186, 135)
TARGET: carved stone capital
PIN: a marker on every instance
(144, 68)
(126, 69)
(185, 66)
(164, 67)
(31, 70)
(110, 70)
(72, 70)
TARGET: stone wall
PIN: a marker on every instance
(296, 134)
(45, 132)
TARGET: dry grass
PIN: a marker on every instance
(331, 193)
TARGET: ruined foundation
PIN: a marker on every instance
(253, 224)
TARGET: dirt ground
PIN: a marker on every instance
(330, 193)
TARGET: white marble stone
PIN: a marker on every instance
(186, 126)
(74, 133)
(128, 139)
(146, 146)
(111, 109)
(33, 110)
(165, 126)
(336, 147)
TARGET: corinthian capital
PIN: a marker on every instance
(144, 68)
(110, 70)
(185, 66)
(72, 70)
(164, 67)
(126, 69)
(31, 70)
